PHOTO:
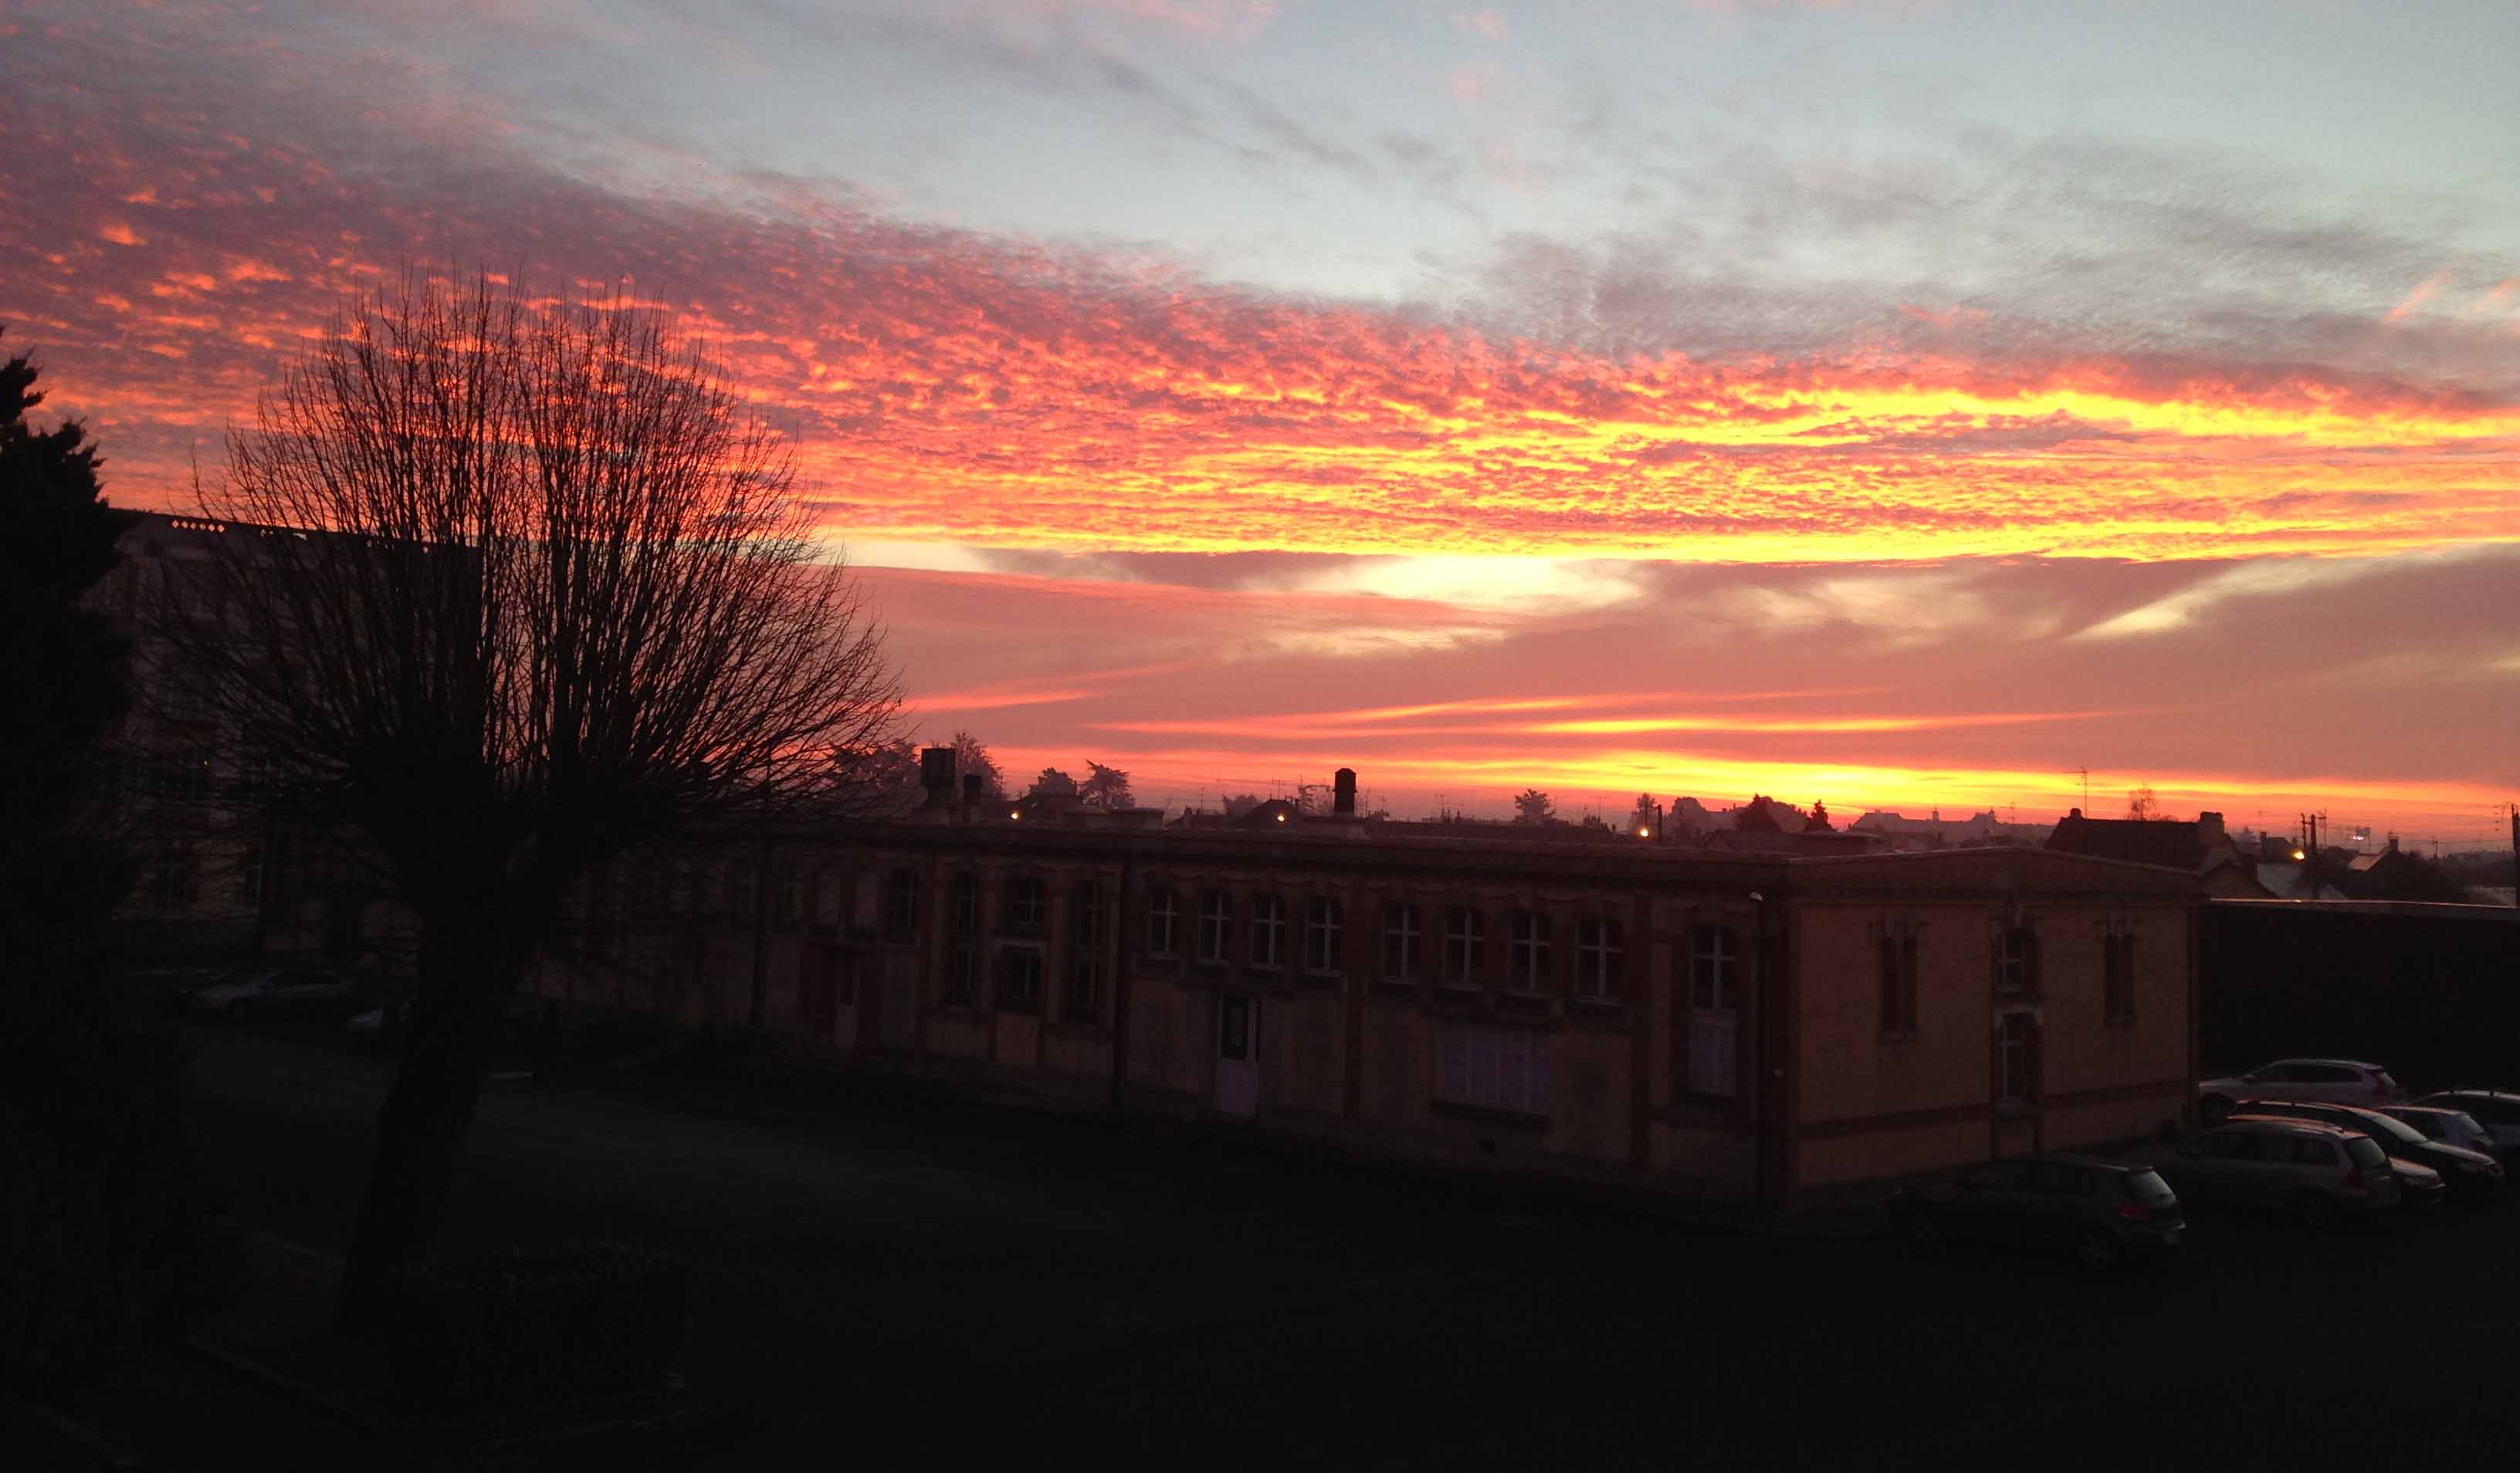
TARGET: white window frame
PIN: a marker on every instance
(1599, 958)
(1325, 936)
(1714, 1010)
(1269, 931)
(1488, 1067)
(1215, 926)
(1526, 953)
(1163, 920)
(1400, 925)
(1465, 935)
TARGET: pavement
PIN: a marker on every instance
(887, 1274)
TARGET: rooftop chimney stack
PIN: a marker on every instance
(936, 774)
(970, 796)
(1344, 792)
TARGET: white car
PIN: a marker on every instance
(2335, 1081)
(280, 991)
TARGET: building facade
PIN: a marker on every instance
(1737, 1026)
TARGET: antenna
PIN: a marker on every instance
(2087, 790)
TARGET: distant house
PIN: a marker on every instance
(2201, 848)
(1977, 832)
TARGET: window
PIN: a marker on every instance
(1526, 951)
(1897, 987)
(1215, 926)
(1714, 985)
(963, 911)
(2014, 1050)
(2117, 979)
(1163, 920)
(1268, 931)
(1027, 904)
(172, 887)
(1324, 925)
(1400, 941)
(963, 975)
(1497, 1068)
(740, 897)
(1083, 1000)
(1597, 972)
(1020, 972)
(250, 877)
(901, 905)
(2061, 1178)
(2016, 961)
(1465, 945)
(791, 895)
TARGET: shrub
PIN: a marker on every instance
(536, 1325)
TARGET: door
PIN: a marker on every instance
(1237, 1053)
(898, 1021)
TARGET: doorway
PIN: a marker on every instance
(1237, 1053)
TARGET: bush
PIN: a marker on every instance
(539, 1326)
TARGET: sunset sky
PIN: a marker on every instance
(1903, 405)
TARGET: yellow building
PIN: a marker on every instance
(1732, 1025)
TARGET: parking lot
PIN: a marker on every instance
(879, 1275)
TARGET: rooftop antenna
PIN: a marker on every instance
(2087, 790)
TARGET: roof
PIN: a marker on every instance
(2142, 841)
(2291, 1121)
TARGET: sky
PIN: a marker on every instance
(1909, 405)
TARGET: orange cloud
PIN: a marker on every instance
(950, 387)
(2424, 291)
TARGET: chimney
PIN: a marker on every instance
(2209, 825)
(1344, 792)
(936, 774)
(970, 796)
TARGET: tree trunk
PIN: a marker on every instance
(464, 981)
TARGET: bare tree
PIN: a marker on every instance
(2142, 807)
(530, 590)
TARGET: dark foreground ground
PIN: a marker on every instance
(886, 1277)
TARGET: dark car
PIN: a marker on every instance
(2451, 1126)
(2318, 1172)
(2498, 1110)
(2471, 1175)
(180, 996)
(2101, 1211)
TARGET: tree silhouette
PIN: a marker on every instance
(971, 757)
(511, 589)
(1105, 788)
(99, 1219)
(1641, 819)
(2141, 807)
(1532, 806)
(1052, 784)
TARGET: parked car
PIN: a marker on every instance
(2498, 1110)
(2337, 1081)
(2472, 1176)
(2452, 1127)
(277, 992)
(2103, 1212)
(180, 996)
(2316, 1172)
